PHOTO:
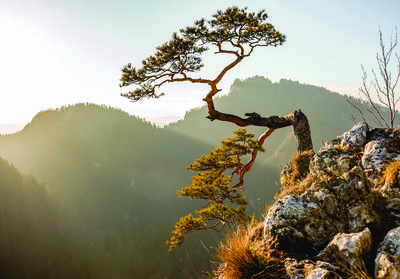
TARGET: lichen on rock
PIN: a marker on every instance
(387, 262)
(294, 221)
(355, 138)
(348, 248)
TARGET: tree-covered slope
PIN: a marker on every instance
(100, 157)
(44, 236)
(32, 228)
(118, 175)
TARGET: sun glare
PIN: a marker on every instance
(36, 72)
(22, 56)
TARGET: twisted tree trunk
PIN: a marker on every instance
(296, 118)
(302, 131)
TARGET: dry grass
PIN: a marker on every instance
(356, 271)
(301, 165)
(296, 178)
(390, 174)
(293, 188)
(244, 254)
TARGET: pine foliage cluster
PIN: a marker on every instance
(213, 181)
(232, 31)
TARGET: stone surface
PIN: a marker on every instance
(360, 216)
(383, 146)
(387, 261)
(320, 273)
(340, 204)
(294, 221)
(392, 212)
(348, 249)
(343, 209)
(390, 137)
(307, 269)
(355, 138)
(375, 156)
(331, 160)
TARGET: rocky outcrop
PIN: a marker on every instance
(345, 219)
(387, 262)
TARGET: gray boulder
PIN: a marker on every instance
(387, 261)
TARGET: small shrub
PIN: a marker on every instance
(245, 254)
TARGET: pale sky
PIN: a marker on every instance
(58, 52)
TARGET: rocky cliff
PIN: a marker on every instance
(337, 214)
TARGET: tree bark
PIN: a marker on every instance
(296, 118)
(302, 131)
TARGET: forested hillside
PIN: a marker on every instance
(116, 177)
(100, 157)
(34, 228)
(110, 200)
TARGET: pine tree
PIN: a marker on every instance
(215, 173)
(236, 33)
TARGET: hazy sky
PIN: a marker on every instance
(56, 52)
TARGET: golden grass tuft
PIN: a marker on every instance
(245, 254)
(291, 188)
(356, 271)
(390, 175)
(301, 164)
(296, 177)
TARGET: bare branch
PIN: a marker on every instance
(351, 101)
(384, 85)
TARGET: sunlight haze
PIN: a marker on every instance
(55, 53)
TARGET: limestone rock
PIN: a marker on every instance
(331, 160)
(321, 273)
(391, 212)
(348, 248)
(390, 137)
(294, 221)
(355, 138)
(307, 269)
(387, 262)
(383, 147)
(374, 159)
(360, 216)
